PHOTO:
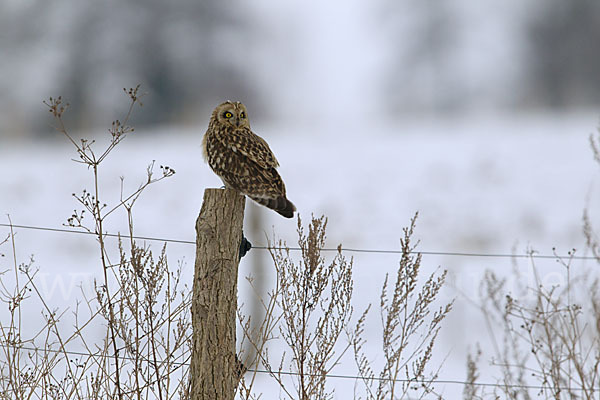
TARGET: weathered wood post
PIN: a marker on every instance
(214, 367)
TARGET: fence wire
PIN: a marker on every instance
(333, 376)
(344, 249)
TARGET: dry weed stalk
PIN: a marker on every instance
(471, 391)
(315, 304)
(143, 305)
(595, 146)
(551, 339)
(550, 336)
(592, 240)
(257, 339)
(409, 330)
(309, 308)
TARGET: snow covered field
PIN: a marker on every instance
(487, 185)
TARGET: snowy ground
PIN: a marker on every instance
(491, 185)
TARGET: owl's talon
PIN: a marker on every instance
(245, 246)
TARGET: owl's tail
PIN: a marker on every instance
(280, 204)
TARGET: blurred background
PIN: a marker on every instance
(298, 60)
(476, 114)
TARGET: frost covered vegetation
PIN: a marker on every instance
(130, 338)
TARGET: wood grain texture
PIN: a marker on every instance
(213, 369)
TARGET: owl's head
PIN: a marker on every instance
(232, 113)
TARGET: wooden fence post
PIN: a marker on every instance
(214, 367)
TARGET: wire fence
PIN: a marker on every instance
(293, 373)
(333, 376)
(570, 255)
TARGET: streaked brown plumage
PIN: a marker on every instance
(242, 159)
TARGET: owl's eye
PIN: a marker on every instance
(243, 115)
(228, 114)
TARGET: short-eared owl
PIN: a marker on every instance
(242, 159)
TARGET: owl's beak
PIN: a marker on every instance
(237, 122)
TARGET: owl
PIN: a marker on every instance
(242, 159)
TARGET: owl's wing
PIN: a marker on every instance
(241, 172)
(252, 146)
